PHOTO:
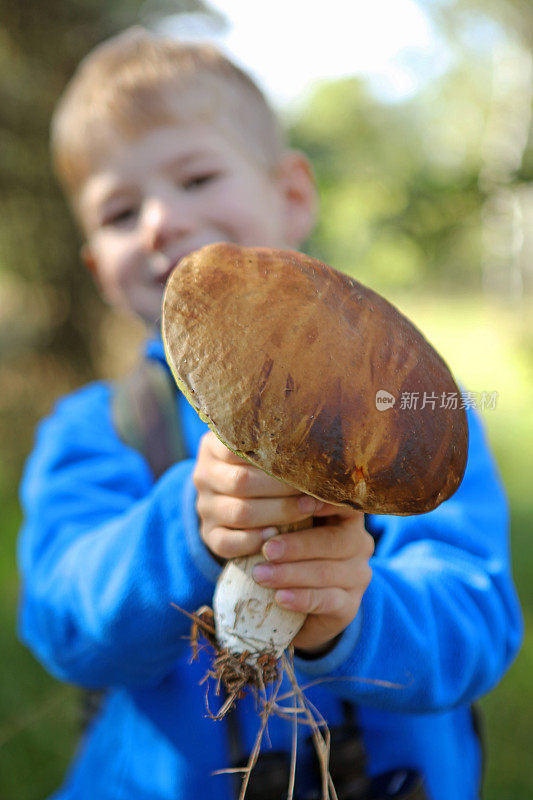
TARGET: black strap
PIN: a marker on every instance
(145, 415)
(478, 724)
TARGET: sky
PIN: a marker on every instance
(289, 45)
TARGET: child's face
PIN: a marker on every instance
(176, 189)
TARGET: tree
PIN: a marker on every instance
(399, 182)
(50, 314)
(507, 168)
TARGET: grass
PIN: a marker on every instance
(38, 725)
(490, 346)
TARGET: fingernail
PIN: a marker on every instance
(267, 533)
(309, 504)
(262, 573)
(285, 597)
(273, 550)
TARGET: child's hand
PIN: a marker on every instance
(322, 571)
(237, 502)
(325, 568)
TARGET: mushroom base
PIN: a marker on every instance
(236, 674)
(234, 671)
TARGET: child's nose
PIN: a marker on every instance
(164, 220)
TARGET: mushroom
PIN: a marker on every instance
(319, 381)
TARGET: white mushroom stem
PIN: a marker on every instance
(247, 617)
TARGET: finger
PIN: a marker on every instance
(219, 450)
(331, 510)
(239, 480)
(233, 544)
(325, 542)
(314, 601)
(321, 629)
(243, 513)
(353, 574)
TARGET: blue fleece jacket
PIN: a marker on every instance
(104, 550)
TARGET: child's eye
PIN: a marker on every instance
(120, 217)
(196, 181)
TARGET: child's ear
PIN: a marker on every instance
(91, 262)
(87, 257)
(296, 180)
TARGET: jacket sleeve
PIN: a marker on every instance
(104, 551)
(440, 619)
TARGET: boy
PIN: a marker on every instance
(163, 148)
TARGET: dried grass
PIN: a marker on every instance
(262, 675)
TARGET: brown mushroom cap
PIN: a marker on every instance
(283, 357)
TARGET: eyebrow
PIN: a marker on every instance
(185, 159)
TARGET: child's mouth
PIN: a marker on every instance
(165, 276)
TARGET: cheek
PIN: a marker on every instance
(253, 211)
(117, 262)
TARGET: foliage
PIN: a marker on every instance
(516, 16)
(399, 184)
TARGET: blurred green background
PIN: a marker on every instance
(428, 200)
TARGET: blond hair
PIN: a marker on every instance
(138, 80)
